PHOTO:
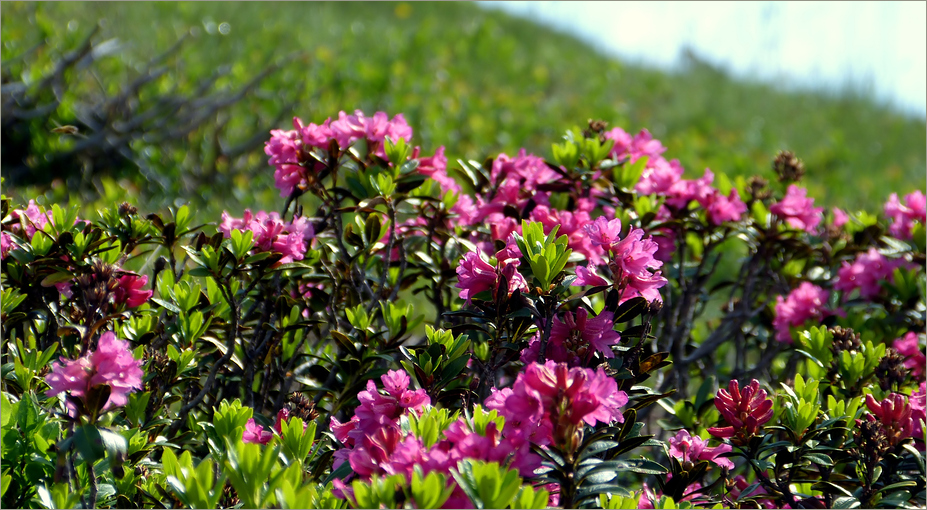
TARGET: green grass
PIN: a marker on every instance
(482, 82)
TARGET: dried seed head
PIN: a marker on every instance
(845, 339)
(891, 371)
(126, 209)
(788, 167)
(757, 189)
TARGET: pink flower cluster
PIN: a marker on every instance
(805, 303)
(129, 291)
(549, 402)
(691, 449)
(918, 402)
(894, 414)
(271, 233)
(32, 219)
(255, 433)
(6, 244)
(720, 208)
(575, 339)
(375, 444)
(744, 410)
(865, 273)
(632, 263)
(515, 183)
(475, 274)
(111, 364)
(572, 225)
(797, 210)
(909, 345)
(662, 177)
(904, 215)
(289, 150)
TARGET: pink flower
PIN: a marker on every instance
(572, 225)
(271, 234)
(659, 176)
(435, 167)
(909, 345)
(475, 275)
(634, 264)
(797, 210)
(111, 364)
(573, 341)
(840, 218)
(314, 135)
(349, 128)
(6, 244)
(684, 191)
(725, 208)
(255, 433)
(745, 411)
(129, 291)
(525, 171)
(904, 215)
(802, 304)
(918, 403)
(634, 148)
(866, 273)
(894, 414)
(32, 218)
(572, 394)
(692, 449)
(588, 277)
(603, 232)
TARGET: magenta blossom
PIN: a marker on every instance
(558, 398)
(893, 413)
(255, 433)
(904, 215)
(802, 304)
(691, 449)
(130, 292)
(603, 232)
(475, 274)
(684, 191)
(111, 364)
(797, 210)
(723, 209)
(272, 234)
(634, 148)
(6, 244)
(910, 346)
(574, 340)
(840, 218)
(866, 273)
(633, 266)
(659, 176)
(435, 167)
(744, 410)
(918, 403)
(572, 225)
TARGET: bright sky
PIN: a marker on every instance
(882, 45)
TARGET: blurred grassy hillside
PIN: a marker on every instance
(479, 82)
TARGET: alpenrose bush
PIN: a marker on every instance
(581, 331)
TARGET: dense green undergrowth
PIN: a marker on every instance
(474, 80)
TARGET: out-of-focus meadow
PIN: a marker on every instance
(160, 123)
